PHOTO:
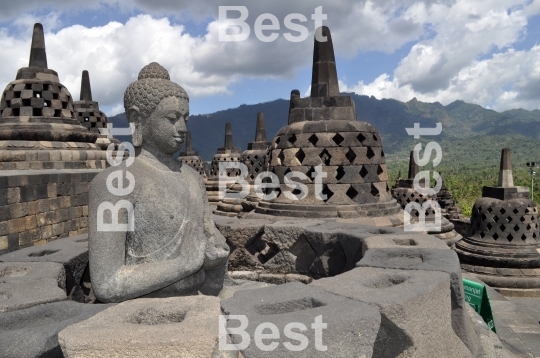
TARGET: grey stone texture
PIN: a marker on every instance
(255, 158)
(90, 116)
(39, 120)
(191, 157)
(228, 154)
(313, 248)
(26, 284)
(405, 193)
(39, 206)
(431, 260)
(167, 327)
(323, 131)
(352, 326)
(404, 241)
(414, 306)
(33, 332)
(71, 252)
(502, 246)
(174, 247)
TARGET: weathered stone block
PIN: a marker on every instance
(352, 326)
(28, 284)
(414, 305)
(403, 241)
(430, 260)
(71, 252)
(166, 327)
(38, 328)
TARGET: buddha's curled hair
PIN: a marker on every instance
(152, 86)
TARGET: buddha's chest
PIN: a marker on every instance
(167, 208)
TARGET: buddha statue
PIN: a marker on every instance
(163, 242)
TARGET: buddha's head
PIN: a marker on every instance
(158, 108)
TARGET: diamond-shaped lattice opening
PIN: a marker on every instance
(351, 156)
(364, 172)
(534, 235)
(509, 219)
(338, 139)
(313, 139)
(379, 170)
(489, 210)
(310, 172)
(515, 211)
(496, 218)
(281, 157)
(360, 138)
(495, 236)
(374, 190)
(482, 235)
(522, 219)
(370, 153)
(382, 153)
(502, 227)
(340, 173)
(516, 228)
(510, 237)
(278, 139)
(529, 227)
(489, 226)
(292, 139)
(300, 155)
(325, 157)
(375, 137)
(352, 193)
(502, 211)
(484, 217)
(326, 191)
(523, 237)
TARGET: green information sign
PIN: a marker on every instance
(476, 295)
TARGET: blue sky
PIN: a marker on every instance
(485, 52)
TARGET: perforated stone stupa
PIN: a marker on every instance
(503, 249)
(89, 114)
(255, 158)
(323, 131)
(405, 193)
(39, 128)
(191, 157)
(229, 153)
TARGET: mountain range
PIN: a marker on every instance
(465, 126)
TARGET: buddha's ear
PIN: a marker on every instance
(134, 117)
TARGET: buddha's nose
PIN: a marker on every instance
(180, 126)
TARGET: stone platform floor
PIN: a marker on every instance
(517, 321)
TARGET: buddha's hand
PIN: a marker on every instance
(217, 251)
(192, 254)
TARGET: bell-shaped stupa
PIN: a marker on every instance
(503, 249)
(338, 160)
(228, 154)
(255, 158)
(90, 116)
(191, 157)
(39, 128)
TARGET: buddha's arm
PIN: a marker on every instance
(217, 251)
(112, 281)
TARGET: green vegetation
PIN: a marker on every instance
(469, 164)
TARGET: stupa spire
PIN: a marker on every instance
(229, 143)
(506, 179)
(324, 81)
(260, 134)
(413, 167)
(86, 90)
(38, 56)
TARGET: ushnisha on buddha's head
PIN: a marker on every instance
(159, 110)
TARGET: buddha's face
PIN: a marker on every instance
(166, 127)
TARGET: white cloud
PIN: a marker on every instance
(461, 49)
